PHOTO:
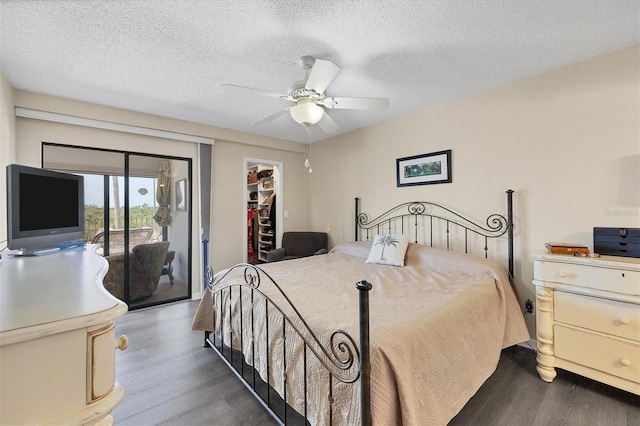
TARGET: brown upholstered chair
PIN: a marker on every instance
(146, 261)
(116, 238)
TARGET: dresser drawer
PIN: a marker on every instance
(101, 376)
(617, 249)
(617, 241)
(601, 353)
(617, 280)
(617, 234)
(603, 315)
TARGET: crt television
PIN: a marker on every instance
(44, 208)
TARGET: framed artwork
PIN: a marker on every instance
(424, 169)
(181, 195)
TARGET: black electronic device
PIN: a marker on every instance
(45, 209)
(623, 242)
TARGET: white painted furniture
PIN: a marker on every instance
(588, 318)
(57, 351)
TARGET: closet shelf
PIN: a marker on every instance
(264, 189)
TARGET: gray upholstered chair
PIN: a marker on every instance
(146, 261)
(299, 244)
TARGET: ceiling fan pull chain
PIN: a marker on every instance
(308, 149)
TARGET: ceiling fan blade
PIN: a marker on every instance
(322, 74)
(258, 91)
(327, 124)
(371, 104)
(270, 117)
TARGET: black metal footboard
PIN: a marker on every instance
(249, 320)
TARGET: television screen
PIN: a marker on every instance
(38, 194)
(44, 208)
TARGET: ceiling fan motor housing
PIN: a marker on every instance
(300, 93)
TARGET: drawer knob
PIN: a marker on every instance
(567, 275)
(122, 343)
(625, 362)
(624, 321)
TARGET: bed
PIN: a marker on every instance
(345, 338)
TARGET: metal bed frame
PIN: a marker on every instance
(344, 361)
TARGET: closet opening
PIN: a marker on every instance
(263, 201)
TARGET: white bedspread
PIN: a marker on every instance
(437, 325)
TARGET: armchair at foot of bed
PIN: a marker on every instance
(299, 244)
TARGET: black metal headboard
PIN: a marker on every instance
(407, 215)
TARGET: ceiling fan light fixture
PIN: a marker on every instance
(306, 112)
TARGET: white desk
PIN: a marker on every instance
(57, 351)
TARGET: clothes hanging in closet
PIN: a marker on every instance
(271, 206)
(252, 234)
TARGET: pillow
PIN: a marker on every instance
(355, 248)
(388, 250)
(423, 253)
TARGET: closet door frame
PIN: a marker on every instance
(277, 165)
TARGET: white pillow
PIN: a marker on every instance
(388, 249)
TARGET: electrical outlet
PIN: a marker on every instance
(528, 307)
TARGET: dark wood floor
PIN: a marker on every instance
(170, 379)
(515, 395)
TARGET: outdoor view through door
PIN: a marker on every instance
(131, 215)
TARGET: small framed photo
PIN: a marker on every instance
(181, 195)
(424, 169)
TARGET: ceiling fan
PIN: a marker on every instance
(311, 100)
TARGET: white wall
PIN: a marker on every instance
(567, 141)
(7, 149)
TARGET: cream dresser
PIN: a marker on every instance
(588, 318)
(57, 340)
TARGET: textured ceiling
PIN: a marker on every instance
(171, 58)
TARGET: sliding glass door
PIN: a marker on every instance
(138, 213)
(157, 205)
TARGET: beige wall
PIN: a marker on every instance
(228, 187)
(566, 141)
(7, 149)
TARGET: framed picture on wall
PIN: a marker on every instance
(424, 169)
(181, 195)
